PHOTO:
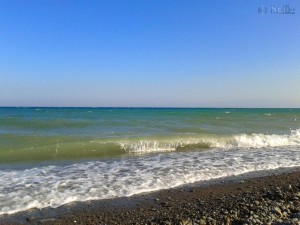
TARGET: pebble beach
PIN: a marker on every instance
(272, 198)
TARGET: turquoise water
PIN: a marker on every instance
(43, 134)
(52, 156)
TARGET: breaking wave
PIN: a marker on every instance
(85, 149)
(235, 141)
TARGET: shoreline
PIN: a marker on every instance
(230, 200)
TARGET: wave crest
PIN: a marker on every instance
(68, 149)
(235, 141)
(269, 140)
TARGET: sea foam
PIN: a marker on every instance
(55, 185)
(204, 142)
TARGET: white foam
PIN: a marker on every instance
(145, 146)
(57, 185)
(263, 140)
(227, 142)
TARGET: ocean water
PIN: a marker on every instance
(54, 156)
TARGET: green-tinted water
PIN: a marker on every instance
(39, 134)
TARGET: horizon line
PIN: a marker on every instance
(153, 107)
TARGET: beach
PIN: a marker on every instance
(148, 165)
(149, 113)
(271, 197)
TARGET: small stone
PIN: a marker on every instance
(47, 220)
(227, 221)
(213, 222)
(273, 217)
(165, 204)
(187, 222)
(30, 219)
(277, 211)
(202, 222)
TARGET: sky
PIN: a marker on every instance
(150, 53)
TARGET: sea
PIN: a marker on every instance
(53, 156)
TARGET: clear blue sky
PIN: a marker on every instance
(192, 53)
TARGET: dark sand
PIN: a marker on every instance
(266, 198)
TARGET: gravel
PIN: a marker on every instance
(273, 199)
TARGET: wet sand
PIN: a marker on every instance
(271, 197)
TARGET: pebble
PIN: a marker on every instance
(187, 222)
(202, 222)
(30, 219)
(277, 211)
(267, 205)
(47, 220)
